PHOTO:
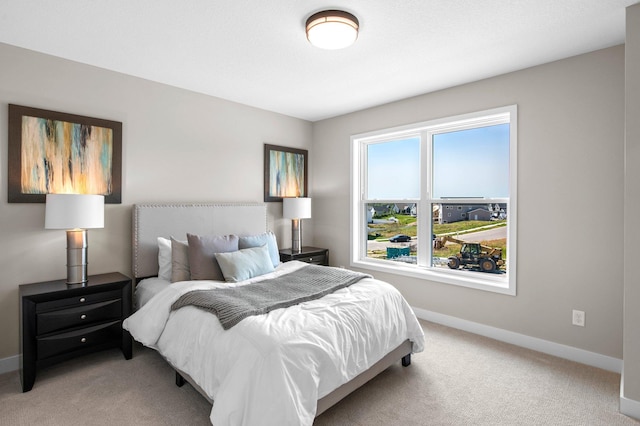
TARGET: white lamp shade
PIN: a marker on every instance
(296, 208)
(74, 211)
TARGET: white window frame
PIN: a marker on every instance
(504, 284)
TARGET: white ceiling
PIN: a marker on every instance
(255, 52)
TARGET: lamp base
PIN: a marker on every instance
(77, 257)
(296, 236)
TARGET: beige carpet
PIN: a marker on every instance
(460, 379)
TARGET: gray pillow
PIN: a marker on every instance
(202, 250)
(179, 261)
(267, 238)
(245, 263)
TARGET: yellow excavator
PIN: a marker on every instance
(486, 258)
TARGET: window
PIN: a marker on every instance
(437, 200)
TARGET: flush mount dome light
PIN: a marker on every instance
(332, 29)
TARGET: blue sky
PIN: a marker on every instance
(467, 163)
(394, 169)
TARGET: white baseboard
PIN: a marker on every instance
(628, 407)
(556, 349)
(9, 364)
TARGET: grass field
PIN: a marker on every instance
(408, 225)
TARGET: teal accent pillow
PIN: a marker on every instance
(245, 263)
(267, 238)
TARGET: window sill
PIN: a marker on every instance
(459, 278)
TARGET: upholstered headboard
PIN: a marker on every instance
(151, 221)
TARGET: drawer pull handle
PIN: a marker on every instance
(83, 316)
(311, 259)
(82, 300)
(83, 340)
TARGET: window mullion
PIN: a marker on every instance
(425, 219)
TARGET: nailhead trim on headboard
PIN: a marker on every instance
(154, 220)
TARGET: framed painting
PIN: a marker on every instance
(53, 152)
(285, 172)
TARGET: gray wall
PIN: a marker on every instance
(570, 158)
(184, 146)
(631, 372)
(177, 146)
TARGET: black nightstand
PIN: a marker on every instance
(315, 255)
(59, 322)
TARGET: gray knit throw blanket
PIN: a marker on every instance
(232, 305)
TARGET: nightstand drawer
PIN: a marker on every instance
(78, 316)
(84, 299)
(78, 339)
(314, 255)
(319, 259)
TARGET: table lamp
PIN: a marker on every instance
(76, 213)
(296, 209)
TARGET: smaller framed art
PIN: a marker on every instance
(55, 152)
(285, 172)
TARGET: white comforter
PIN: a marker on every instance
(272, 369)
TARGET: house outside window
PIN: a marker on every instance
(465, 165)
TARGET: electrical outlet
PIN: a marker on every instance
(578, 318)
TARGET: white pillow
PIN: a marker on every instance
(164, 258)
(246, 263)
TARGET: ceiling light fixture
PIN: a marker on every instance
(332, 29)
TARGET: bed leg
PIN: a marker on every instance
(406, 360)
(180, 380)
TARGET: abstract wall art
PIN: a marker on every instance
(285, 172)
(57, 153)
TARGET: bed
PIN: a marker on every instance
(284, 367)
